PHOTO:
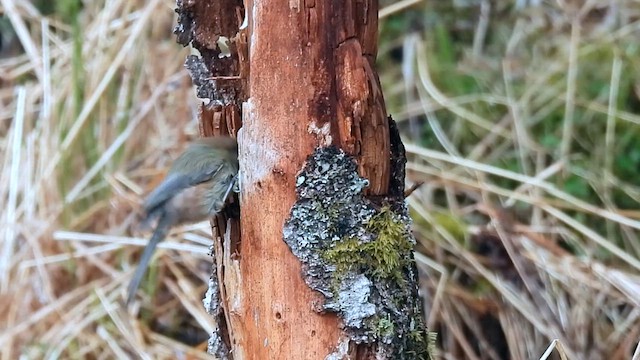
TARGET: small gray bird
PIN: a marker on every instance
(194, 190)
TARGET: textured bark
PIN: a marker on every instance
(297, 75)
(212, 27)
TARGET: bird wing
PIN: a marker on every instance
(173, 184)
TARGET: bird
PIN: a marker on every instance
(195, 189)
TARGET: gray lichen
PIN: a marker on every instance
(358, 255)
(219, 92)
(211, 301)
(215, 73)
(341, 352)
(354, 294)
(185, 25)
(216, 346)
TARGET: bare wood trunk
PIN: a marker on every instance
(303, 73)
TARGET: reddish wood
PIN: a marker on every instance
(310, 85)
(307, 70)
(290, 79)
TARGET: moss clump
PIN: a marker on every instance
(384, 257)
(345, 255)
(385, 328)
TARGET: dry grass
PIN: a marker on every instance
(91, 115)
(528, 237)
(517, 264)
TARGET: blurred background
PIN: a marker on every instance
(521, 117)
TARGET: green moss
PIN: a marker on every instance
(385, 327)
(432, 336)
(383, 257)
(344, 255)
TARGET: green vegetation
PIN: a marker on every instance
(519, 76)
(384, 256)
(531, 116)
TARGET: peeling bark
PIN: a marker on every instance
(219, 74)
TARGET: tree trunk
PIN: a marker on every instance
(294, 78)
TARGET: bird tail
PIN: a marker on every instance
(158, 235)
